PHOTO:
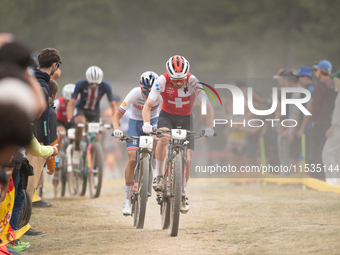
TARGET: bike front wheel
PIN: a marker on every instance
(142, 195)
(76, 178)
(176, 194)
(95, 176)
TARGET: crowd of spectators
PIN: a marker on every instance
(26, 93)
(312, 145)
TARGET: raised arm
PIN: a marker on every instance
(147, 109)
(70, 107)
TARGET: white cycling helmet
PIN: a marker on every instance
(68, 91)
(94, 75)
(177, 67)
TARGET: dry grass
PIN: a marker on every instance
(224, 218)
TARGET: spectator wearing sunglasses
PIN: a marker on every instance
(49, 62)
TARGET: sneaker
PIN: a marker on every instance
(76, 157)
(42, 203)
(184, 205)
(32, 232)
(16, 247)
(126, 207)
(22, 244)
(157, 183)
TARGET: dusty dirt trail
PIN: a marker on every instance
(224, 218)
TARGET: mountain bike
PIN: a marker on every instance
(143, 173)
(174, 179)
(91, 162)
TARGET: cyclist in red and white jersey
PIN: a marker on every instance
(136, 99)
(179, 89)
(61, 110)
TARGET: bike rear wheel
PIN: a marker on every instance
(176, 193)
(96, 175)
(142, 196)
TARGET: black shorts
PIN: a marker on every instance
(90, 115)
(174, 121)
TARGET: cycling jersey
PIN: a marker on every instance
(89, 99)
(136, 100)
(177, 101)
(61, 109)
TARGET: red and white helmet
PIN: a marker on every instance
(177, 67)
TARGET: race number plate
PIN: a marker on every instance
(71, 133)
(146, 142)
(93, 127)
(179, 134)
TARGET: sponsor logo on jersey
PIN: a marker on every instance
(139, 107)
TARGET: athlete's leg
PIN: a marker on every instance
(79, 130)
(129, 172)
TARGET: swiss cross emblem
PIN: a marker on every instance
(178, 102)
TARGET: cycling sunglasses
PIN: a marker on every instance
(175, 81)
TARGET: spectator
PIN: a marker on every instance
(322, 107)
(283, 143)
(49, 61)
(15, 58)
(53, 86)
(294, 114)
(331, 150)
(306, 81)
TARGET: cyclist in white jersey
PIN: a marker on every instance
(136, 99)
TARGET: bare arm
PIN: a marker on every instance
(113, 105)
(116, 119)
(70, 107)
(147, 109)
